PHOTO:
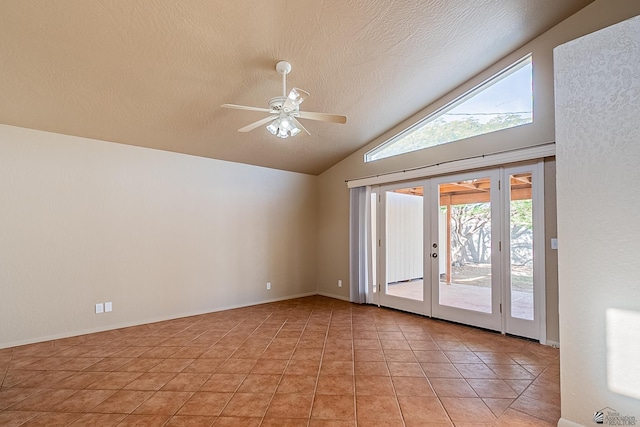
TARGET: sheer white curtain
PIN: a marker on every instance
(359, 225)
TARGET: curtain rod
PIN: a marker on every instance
(480, 156)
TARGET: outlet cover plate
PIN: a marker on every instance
(99, 308)
(108, 306)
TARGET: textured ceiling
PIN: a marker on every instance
(153, 73)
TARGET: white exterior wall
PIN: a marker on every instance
(404, 237)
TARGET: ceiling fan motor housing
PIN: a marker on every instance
(276, 104)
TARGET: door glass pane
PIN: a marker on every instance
(521, 256)
(465, 244)
(404, 243)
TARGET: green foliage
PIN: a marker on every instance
(441, 131)
(521, 213)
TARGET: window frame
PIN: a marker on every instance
(485, 84)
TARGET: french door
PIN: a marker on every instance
(402, 248)
(466, 248)
(465, 259)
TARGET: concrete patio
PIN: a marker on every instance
(469, 297)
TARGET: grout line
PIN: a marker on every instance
(250, 322)
(395, 394)
(286, 365)
(324, 347)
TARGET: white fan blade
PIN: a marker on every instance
(295, 98)
(297, 123)
(244, 107)
(257, 124)
(323, 117)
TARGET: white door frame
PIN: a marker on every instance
(500, 267)
(537, 328)
(493, 319)
(415, 306)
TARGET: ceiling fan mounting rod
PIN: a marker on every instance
(284, 68)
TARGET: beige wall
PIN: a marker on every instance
(333, 244)
(159, 234)
(598, 156)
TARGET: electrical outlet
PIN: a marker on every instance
(108, 306)
(268, 286)
(339, 283)
(99, 308)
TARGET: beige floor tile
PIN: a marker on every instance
(122, 402)
(537, 408)
(259, 383)
(313, 362)
(190, 421)
(440, 370)
(492, 388)
(405, 369)
(374, 385)
(423, 409)
(378, 408)
(335, 384)
(186, 382)
(452, 387)
(497, 405)
(95, 419)
(143, 420)
(164, 402)
(247, 405)
(467, 410)
(412, 386)
(205, 403)
(237, 422)
(299, 384)
(333, 407)
(150, 381)
(290, 405)
(52, 419)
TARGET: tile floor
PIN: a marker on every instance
(312, 361)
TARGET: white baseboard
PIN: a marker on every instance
(340, 297)
(566, 423)
(146, 321)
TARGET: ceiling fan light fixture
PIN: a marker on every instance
(283, 127)
(294, 99)
(287, 110)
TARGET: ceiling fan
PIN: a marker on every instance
(284, 111)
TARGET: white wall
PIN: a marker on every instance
(333, 204)
(598, 164)
(159, 234)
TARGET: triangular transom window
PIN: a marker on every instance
(503, 101)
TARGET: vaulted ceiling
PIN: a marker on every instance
(154, 73)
